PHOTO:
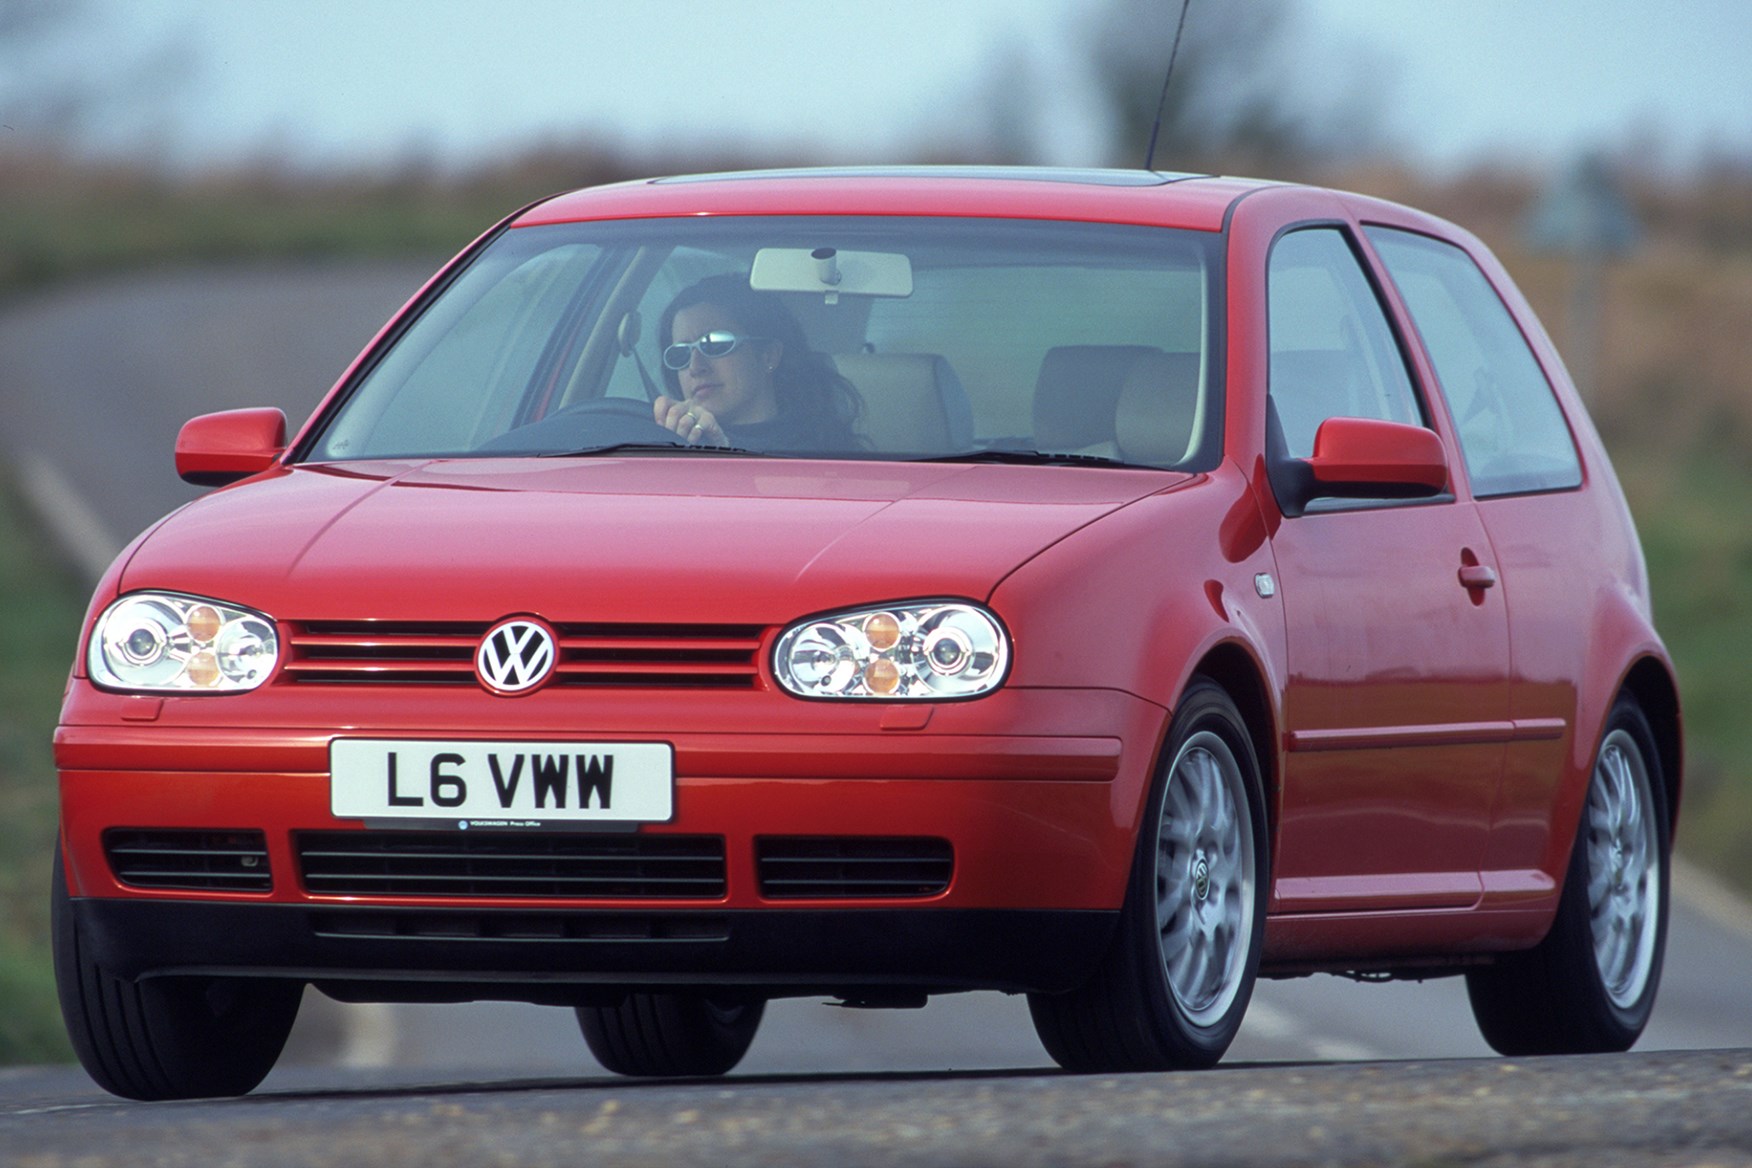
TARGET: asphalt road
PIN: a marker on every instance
(95, 380)
(1642, 1109)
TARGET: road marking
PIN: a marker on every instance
(72, 522)
(1713, 899)
(1268, 1022)
(369, 1036)
(57, 1108)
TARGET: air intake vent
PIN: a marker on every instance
(510, 865)
(595, 655)
(845, 867)
(207, 861)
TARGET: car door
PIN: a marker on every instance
(1396, 699)
(1524, 471)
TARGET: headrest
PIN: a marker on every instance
(1157, 406)
(1077, 392)
(913, 402)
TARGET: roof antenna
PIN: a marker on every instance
(1162, 102)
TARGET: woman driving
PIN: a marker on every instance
(743, 375)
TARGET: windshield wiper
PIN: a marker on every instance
(647, 448)
(1026, 457)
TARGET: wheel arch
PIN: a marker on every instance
(1233, 667)
(1651, 683)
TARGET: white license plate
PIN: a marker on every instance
(511, 782)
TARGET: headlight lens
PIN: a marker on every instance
(918, 651)
(169, 643)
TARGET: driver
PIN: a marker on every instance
(742, 375)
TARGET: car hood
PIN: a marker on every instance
(619, 538)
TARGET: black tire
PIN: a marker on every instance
(1141, 1011)
(671, 1035)
(1587, 988)
(166, 1037)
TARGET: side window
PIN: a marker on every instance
(1512, 431)
(1332, 352)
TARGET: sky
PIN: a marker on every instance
(352, 82)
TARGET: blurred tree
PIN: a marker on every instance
(1247, 90)
(47, 105)
(32, 98)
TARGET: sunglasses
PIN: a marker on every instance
(679, 355)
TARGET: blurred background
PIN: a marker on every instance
(207, 203)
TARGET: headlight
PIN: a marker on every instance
(920, 651)
(169, 643)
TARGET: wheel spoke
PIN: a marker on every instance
(1599, 889)
(1203, 887)
(1623, 868)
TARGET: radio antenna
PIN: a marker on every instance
(1162, 102)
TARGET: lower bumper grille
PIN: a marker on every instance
(505, 865)
(208, 861)
(501, 925)
(845, 867)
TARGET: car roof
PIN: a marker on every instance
(1146, 197)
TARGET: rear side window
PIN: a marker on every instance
(1332, 352)
(1512, 432)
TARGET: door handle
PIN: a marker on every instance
(1477, 575)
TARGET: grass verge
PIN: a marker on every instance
(1691, 514)
(39, 623)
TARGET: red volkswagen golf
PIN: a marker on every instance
(1112, 587)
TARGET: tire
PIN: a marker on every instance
(166, 1037)
(1590, 985)
(1171, 990)
(670, 1035)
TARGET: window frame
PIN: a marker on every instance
(1286, 472)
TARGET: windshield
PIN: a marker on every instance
(843, 337)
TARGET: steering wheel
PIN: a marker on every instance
(598, 421)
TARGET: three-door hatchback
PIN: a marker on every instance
(1105, 586)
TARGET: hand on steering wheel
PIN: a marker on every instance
(693, 423)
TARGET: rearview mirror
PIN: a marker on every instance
(215, 449)
(831, 272)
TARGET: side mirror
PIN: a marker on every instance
(1363, 458)
(215, 449)
(1378, 459)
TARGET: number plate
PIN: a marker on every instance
(511, 782)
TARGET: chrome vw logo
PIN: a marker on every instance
(516, 656)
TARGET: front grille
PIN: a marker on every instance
(508, 864)
(599, 655)
(208, 861)
(852, 866)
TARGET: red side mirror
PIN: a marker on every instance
(1370, 456)
(215, 449)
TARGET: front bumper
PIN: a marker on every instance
(558, 956)
(1041, 825)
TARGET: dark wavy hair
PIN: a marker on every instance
(811, 393)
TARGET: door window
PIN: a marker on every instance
(1333, 354)
(1512, 431)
